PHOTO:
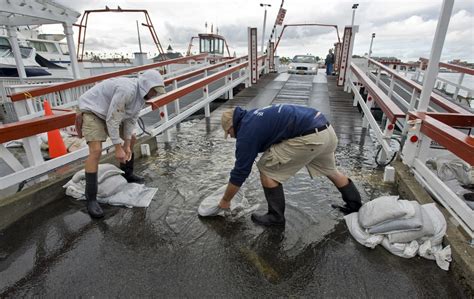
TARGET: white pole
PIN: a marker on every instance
(139, 41)
(11, 32)
(431, 73)
(456, 91)
(72, 51)
(353, 17)
(263, 31)
(371, 42)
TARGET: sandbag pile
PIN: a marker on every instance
(113, 188)
(405, 228)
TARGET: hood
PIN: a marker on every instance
(239, 113)
(148, 80)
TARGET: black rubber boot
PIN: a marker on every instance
(129, 175)
(351, 197)
(276, 208)
(93, 206)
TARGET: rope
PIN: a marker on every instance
(141, 124)
(391, 159)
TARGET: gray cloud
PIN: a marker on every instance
(404, 28)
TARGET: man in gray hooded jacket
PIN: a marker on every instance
(111, 109)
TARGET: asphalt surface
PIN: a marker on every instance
(166, 250)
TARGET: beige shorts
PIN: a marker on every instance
(315, 151)
(94, 128)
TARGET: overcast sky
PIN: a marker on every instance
(404, 28)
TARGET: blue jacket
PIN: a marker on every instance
(258, 129)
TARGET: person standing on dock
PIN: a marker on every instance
(329, 63)
(111, 109)
(290, 137)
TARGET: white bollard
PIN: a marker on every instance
(145, 148)
(389, 174)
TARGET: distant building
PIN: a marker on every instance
(168, 55)
(461, 63)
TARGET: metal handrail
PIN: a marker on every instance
(386, 104)
(439, 128)
(180, 92)
(31, 127)
(449, 66)
(437, 99)
(80, 82)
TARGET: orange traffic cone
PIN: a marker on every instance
(55, 141)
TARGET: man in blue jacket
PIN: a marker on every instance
(291, 137)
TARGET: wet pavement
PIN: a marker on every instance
(166, 250)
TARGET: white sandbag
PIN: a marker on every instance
(210, 205)
(438, 228)
(405, 250)
(436, 252)
(414, 223)
(131, 195)
(451, 167)
(439, 223)
(426, 231)
(112, 188)
(111, 185)
(384, 209)
(358, 232)
(103, 172)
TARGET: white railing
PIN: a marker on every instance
(423, 132)
(38, 167)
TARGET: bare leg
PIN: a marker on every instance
(133, 141)
(268, 182)
(95, 150)
(338, 179)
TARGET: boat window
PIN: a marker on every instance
(39, 46)
(25, 52)
(64, 49)
(51, 48)
(213, 46)
(221, 47)
(304, 59)
(4, 42)
(205, 45)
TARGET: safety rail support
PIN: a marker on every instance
(375, 94)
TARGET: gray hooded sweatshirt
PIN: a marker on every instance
(119, 100)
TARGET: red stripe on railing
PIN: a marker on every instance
(80, 82)
(437, 99)
(201, 70)
(386, 104)
(458, 143)
(27, 128)
(449, 66)
(454, 119)
(184, 90)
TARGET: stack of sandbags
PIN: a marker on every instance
(112, 188)
(405, 228)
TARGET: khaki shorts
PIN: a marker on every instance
(315, 151)
(94, 128)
